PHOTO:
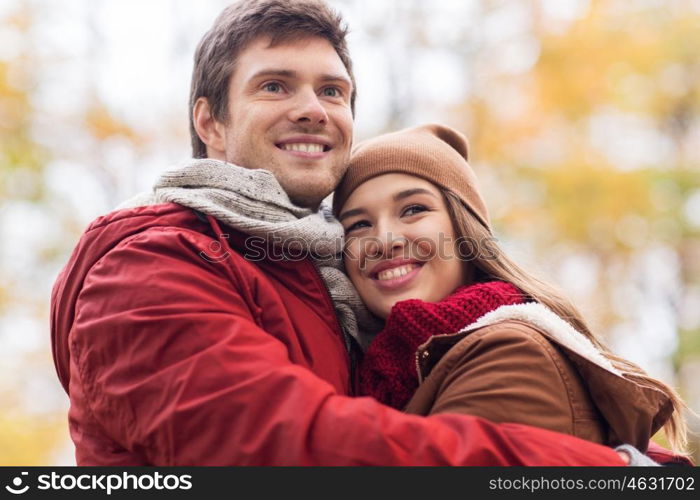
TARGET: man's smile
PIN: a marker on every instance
(305, 146)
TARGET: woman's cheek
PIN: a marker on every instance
(355, 266)
(425, 248)
(351, 252)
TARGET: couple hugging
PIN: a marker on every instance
(394, 330)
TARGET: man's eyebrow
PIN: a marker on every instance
(350, 213)
(284, 73)
(410, 192)
(288, 73)
(336, 78)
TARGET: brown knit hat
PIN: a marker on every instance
(432, 152)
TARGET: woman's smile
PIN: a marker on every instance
(399, 276)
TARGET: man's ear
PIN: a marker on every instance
(209, 130)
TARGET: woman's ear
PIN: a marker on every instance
(210, 131)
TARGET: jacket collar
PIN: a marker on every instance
(633, 412)
(551, 325)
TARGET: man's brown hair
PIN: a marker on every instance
(241, 23)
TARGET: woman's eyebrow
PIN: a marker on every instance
(397, 197)
(350, 213)
(410, 192)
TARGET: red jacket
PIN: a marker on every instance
(176, 350)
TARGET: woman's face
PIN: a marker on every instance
(400, 243)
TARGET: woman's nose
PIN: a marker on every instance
(388, 244)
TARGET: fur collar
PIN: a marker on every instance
(550, 324)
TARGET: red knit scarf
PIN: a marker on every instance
(388, 369)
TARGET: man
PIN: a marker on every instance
(181, 333)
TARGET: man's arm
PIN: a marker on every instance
(186, 377)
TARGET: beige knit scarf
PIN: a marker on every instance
(253, 202)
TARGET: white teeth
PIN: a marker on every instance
(396, 272)
(303, 147)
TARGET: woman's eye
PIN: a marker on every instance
(272, 87)
(413, 210)
(357, 225)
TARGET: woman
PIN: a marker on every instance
(467, 330)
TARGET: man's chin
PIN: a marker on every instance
(306, 200)
(309, 193)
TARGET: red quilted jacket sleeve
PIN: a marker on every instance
(172, 366)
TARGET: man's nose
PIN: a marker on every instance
(308, 109)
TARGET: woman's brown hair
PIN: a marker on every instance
(494, 264)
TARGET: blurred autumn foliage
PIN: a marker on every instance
(25, 438)
(607, 136)
(602, 159)
(38, 228)
(584, 127)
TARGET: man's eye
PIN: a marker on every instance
(331, 92)
(356, 225)
(272, 87)
(413, 210)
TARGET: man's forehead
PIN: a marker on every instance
(282, 54)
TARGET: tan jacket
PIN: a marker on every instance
(524, 364)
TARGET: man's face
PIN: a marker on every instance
(289, 113)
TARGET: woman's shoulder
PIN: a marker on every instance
(508, 371)
(519, 340)
(529, 344)
(532, 323)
